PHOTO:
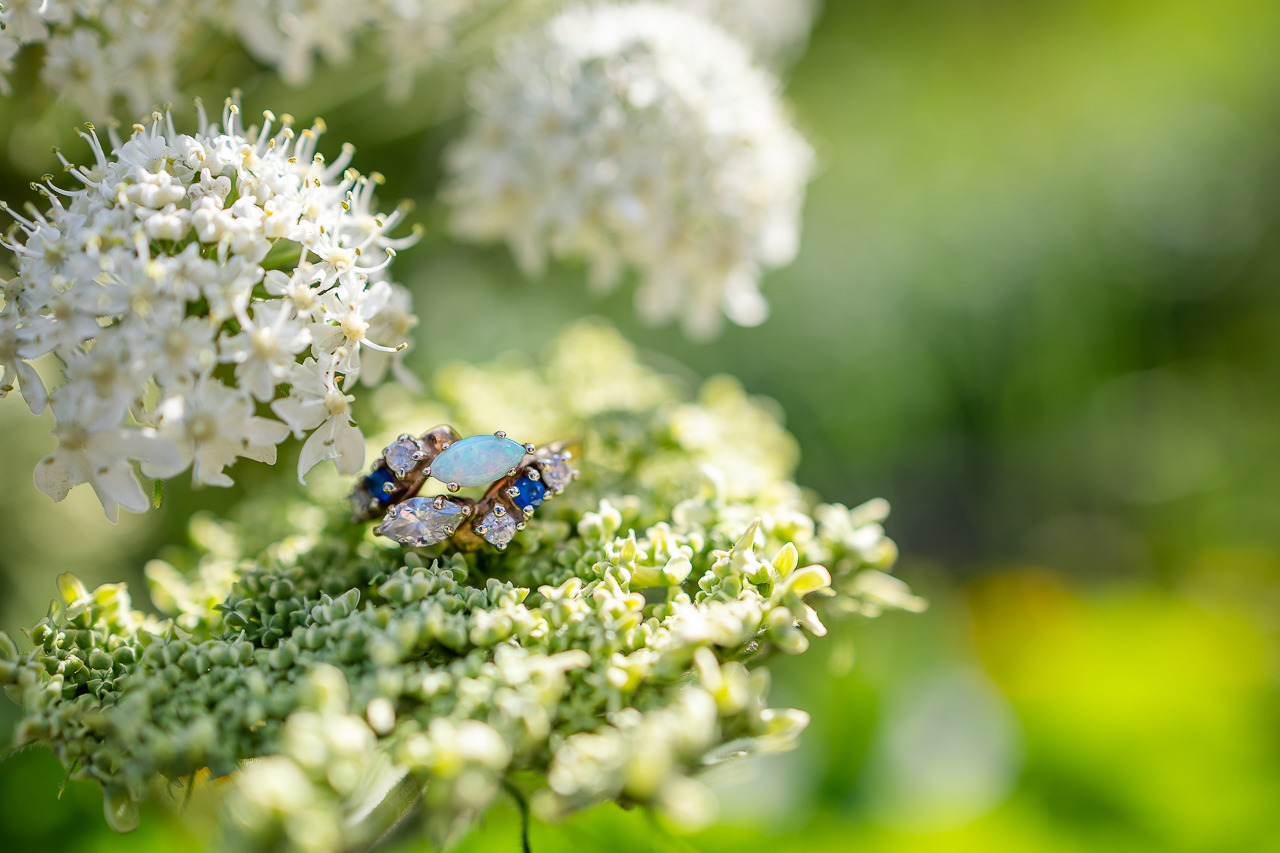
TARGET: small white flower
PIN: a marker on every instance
(301, 288)
(177, 348)
(29, 20)
(287, 33)
(211, 425)
(112, 370)
(93, 448)
(266, 347)
(70, 318)
(75, 67)
(315, 403)
(343, 329)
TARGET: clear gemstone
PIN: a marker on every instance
(363, 504)
(557, 473)
(418, 523)
(497, 529)
(403, 456)
(477, 460)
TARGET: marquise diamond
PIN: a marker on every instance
(418, 523)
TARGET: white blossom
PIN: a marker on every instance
(147, 277)
(393, 323)
(266, 348)
(316, 404)
(211, 425)
(636, 135)
(343, 331)
(93, 448)
(75, 67)
(29, 20)
(180, 348)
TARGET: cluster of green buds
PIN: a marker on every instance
(613, 652)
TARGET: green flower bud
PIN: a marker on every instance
(120, 810)
(8, 651)
(70, 588)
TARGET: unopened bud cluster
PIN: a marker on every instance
(613, 651)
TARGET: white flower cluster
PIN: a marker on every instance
(189, 278)
(99, 50)
(289, 34)
(637, 135)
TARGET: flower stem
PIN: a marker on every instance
(524, 814)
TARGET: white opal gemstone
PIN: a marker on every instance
(477, 460)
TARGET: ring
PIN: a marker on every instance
(522, 478)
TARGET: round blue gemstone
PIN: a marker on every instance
(377, 480)
(529, 493)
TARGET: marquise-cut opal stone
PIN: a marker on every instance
(477, 460)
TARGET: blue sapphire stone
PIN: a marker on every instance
(376, 482)
(529, 493)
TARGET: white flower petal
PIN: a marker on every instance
(319, 447)
(33, 390)
(300, 415)
(119, 484)
(349, 443)
(56, 474)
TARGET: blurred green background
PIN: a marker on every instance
(1036, 307)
